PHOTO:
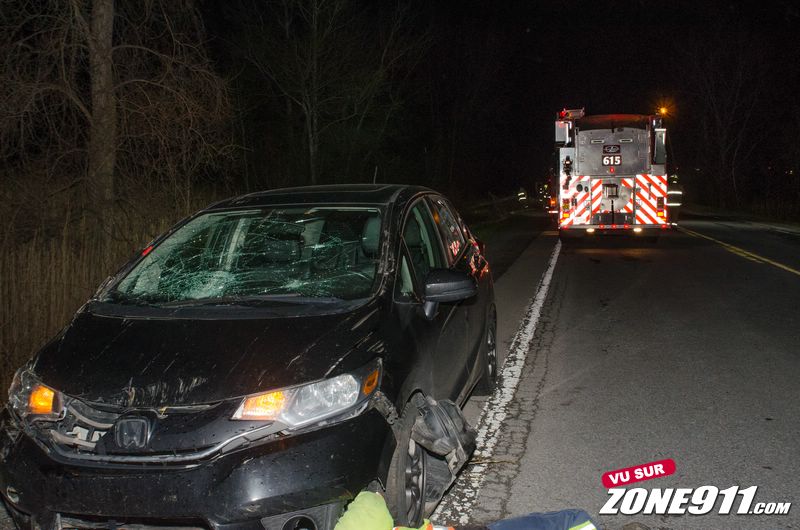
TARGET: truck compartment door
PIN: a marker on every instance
(614, 203)
(650, 199)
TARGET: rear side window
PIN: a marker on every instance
(449, 227)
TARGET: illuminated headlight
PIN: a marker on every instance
(32, 399)
(303, 405)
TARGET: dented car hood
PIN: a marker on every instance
(159, 362)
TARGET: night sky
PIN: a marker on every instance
(480, 102)
(618, 56)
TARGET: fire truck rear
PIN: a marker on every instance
(611, 174)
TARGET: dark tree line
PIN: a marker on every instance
(110, 106)
(103, 100)
(738, 135)
(318, 84)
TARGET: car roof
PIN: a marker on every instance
(382, 194)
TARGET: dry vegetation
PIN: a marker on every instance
(47, 276)
(113, 119)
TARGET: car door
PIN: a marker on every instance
(439, 341)
(459, 253)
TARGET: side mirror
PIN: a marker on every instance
(445, 285)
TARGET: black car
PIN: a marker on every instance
(259, 365)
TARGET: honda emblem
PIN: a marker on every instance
(132, 433)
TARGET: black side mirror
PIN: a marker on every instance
(445, 285)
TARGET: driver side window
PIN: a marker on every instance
(422, 249)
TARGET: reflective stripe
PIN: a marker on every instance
(584, 526)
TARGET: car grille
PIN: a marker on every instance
(82, 435)
(82, 427)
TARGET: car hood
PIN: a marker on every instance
(157, 362)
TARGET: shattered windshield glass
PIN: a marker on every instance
(324, 253)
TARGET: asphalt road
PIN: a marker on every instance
(686, 349)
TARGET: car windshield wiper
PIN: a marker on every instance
(254, 300)
(117, 299)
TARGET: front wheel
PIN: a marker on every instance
(405, 483)
(489, 378)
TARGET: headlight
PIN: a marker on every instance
(31, 398)
(303, 405)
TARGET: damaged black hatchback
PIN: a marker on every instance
(259, 365)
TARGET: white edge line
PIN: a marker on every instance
(494, 411)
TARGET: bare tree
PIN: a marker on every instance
(102, 145)
(108, 96)
(332, 65)
(726, 77)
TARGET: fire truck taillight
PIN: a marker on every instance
(565, 208)
(660, 208)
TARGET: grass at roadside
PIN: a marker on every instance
(486, 230)
(697, 210)
(46, 277)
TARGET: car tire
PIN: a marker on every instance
(405, 483)
(10, 519)
(488, 380)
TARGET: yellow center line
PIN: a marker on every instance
(740, 251)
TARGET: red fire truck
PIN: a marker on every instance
(610, 173)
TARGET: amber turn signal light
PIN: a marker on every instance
(263, 406)
(41, 400)
(371, 382)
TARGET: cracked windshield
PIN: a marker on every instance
(292, 254)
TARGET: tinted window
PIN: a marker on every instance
(421, 242)
(404, 285)
(449, 228)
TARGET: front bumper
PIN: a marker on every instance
(311, 473)
(578, 231)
